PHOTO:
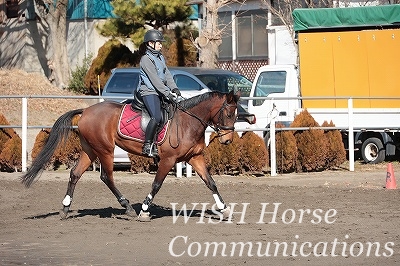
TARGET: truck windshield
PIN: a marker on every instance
(269, 82)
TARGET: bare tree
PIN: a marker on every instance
(210, 37)
(53, 16)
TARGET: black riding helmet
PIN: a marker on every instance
(153, 35)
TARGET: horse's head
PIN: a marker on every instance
(225, 118)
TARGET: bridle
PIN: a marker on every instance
(219, 125)
(216, 127)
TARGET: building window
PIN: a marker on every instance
(251, 35)
(225, 25)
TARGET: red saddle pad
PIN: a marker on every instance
(129, 125)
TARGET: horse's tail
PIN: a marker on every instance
(59, 131)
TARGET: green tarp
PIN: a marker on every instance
(366, 16)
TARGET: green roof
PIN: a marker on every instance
(349, 17)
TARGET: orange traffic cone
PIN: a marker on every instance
(390, 179)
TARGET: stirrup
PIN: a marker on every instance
(150, 149)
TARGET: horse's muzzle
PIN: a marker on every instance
(225, 137)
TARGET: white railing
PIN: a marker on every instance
(24, 126)
(347, 120)
(350, 128)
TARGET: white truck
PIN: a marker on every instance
(349, 61)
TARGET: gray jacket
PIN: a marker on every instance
(155, 77)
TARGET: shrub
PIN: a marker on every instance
(40, 140)
(223, 159)
(111, 55)
(5, 133)
(286, 150)
(77, 81)
(67, 153)
(336, 152)
(254, 154)
(140, 164)
(181, 51)
(10, 156)
(10, 148)
(311, 144)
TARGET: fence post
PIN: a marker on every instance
(24, 132)
(351, 135)
(178, 168)
(188, 170)
(274, 114)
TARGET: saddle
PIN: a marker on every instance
(134, 119)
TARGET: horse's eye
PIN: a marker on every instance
(230, 115)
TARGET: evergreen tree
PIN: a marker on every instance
(132, 16)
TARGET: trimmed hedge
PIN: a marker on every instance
(286, 151)
(10, 148)
(247, 153)
(336, 152)
(140, 164)
(254, 154)
(67, 153)
(311, 144)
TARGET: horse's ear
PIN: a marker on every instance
(232, 97)
(238, 95)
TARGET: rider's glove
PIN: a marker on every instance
(177, 92)
(171, 98)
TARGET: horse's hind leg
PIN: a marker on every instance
(107, 165)
(74, 176)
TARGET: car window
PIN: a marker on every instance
(123, 83)
(186, 83)
(237, 83)
(226, 82)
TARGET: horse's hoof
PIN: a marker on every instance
(130, 212)
(226, 214)
(143, 216)
(63, 215)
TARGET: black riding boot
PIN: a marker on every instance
(149, 147)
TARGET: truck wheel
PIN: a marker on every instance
(372, 151)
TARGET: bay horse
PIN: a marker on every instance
(97, 129)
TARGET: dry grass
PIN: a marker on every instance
(41, 111)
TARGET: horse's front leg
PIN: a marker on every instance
(199, 165)
(164, 167)
(107, 177)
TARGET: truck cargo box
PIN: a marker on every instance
(349, 52)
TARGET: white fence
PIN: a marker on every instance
(24, 129)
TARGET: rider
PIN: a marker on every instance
(155, 81)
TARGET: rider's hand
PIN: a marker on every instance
(177, 92)
(171, 98)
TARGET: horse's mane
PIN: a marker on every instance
(193, 101)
